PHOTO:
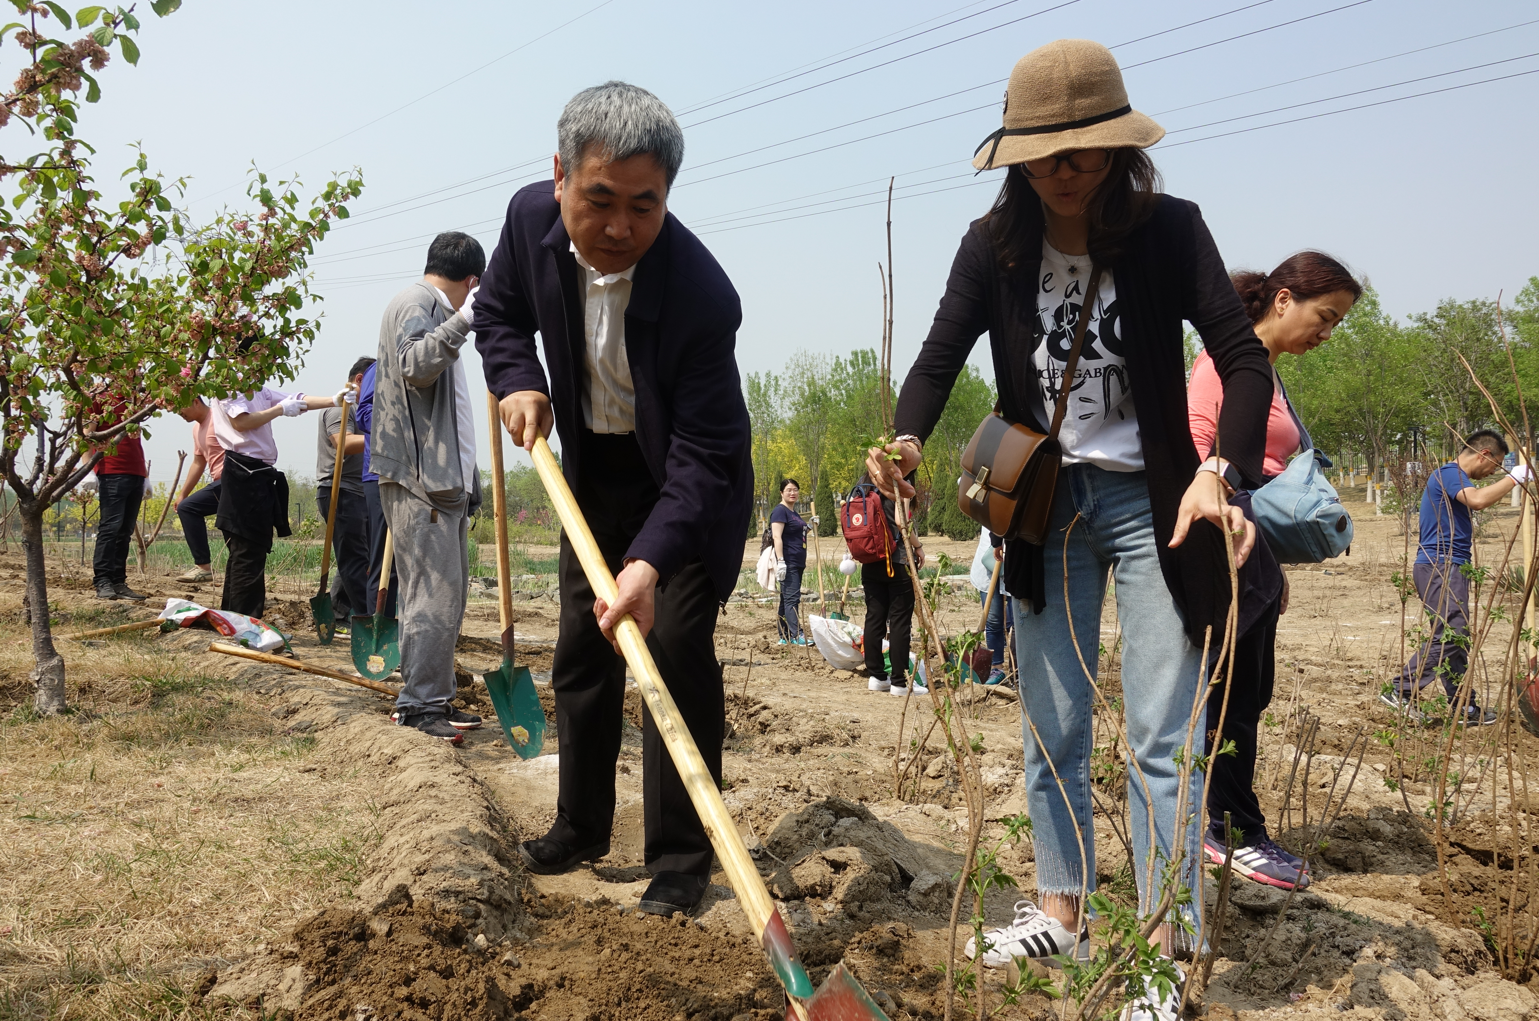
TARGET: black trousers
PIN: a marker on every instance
(349, 550)
(192, 513)
(376, 516)
(245, 575)
(616, 492)
(120, 497)
(1232, 787)
(889, 615)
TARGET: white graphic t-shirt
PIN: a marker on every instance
(1099, 426)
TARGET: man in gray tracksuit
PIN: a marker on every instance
(424, 450)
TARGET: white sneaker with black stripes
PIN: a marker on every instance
(1034, 935)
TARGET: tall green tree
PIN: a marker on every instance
(1362, 389)
(855, 386)
(94, 338)
(972, 397)
(809, 413)
(764, 394)
(1460, 341)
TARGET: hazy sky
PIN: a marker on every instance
(1430, 197)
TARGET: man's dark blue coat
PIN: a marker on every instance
(680, 336)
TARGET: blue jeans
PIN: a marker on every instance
(994, 628)
(1113, 529)
(791, 602)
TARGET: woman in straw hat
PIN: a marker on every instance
(1079, 213)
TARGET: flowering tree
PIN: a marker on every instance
(114, 309)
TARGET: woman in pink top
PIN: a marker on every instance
(1294, 308)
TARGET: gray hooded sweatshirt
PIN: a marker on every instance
(415, 441)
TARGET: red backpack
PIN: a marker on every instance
(865, 526)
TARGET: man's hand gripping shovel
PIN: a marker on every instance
(841, 998)
(511, 688)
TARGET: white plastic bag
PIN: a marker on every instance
(246, 631)
(835, 639)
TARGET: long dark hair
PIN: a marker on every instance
(1122, 202)
(1304, 275)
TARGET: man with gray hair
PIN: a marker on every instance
(639, 325)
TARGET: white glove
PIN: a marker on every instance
(466, 309)
(1521, 473)
(780, 572)
(294, 406)
(815, 520)
(347, 396)
(847, 566)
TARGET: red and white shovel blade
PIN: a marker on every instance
(840, 998)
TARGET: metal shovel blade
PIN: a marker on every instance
(376, 645)
(325, 616)
(840, 998)
(518, 708)
(1528, 701)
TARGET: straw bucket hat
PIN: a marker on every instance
(1062, 96)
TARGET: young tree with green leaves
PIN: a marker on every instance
(809, 407)
(98, 332)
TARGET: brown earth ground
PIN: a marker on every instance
(205, 837)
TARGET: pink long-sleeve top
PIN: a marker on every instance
(1204, 398)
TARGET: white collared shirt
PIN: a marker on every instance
(258, 442)
(464, 424)
(609, 402)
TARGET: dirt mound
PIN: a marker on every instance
(838, 855)
(407, 961)
(784, 733)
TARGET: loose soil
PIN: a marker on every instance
(431, 916)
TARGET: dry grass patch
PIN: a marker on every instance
(171, 823)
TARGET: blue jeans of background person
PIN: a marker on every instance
(1445, 595)
(994, 627)
(120, 496)
(791, 602)
(1112, 530)
(193, 513)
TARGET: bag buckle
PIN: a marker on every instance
(976, 492)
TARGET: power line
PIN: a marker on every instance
(1347, 95)
(886, 63)
(1246, 35)
(426, 95)
(1349, 67)
(798, 72)
(1350, 109)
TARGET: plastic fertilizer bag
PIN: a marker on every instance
(246, 631)
(836, 640)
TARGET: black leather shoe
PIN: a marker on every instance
(548, 857)
(674, 891)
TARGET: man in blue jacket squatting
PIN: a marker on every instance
(639, 326)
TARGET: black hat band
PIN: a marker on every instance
(1045, 129)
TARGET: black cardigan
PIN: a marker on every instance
(1170, 271)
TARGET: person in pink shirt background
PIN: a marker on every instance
(1293, 310)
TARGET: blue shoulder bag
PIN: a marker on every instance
(1299, 512)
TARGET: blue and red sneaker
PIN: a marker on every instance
(1262, 862)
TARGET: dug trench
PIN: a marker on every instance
(443, 923)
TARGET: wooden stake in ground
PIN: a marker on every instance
(301, 666)
(138, 625)
(139, 539)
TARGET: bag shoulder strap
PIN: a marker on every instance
(1085, 311)
(1305, 442)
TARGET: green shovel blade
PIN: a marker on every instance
(376, 645)
(518, 708)
(325, 616)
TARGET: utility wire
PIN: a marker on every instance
(1350, 109)
(1348, 95)
(1245, 35)
(1339, 70)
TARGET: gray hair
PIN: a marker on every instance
(622, 121)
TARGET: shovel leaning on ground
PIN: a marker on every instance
(301, 666)
(841, 998)
(321, 610)
(511, 688)
(376, 640)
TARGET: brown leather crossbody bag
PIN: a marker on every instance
(1009, 470)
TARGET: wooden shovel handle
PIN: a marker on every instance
(138, 625)
(336, 491)
(500, 514)
(730, 850)
(384, 575)
(302, 667)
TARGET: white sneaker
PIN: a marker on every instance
(902, 689)
(876, 684)
(898, 689)
(1034, 935)
(1154, 1004)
